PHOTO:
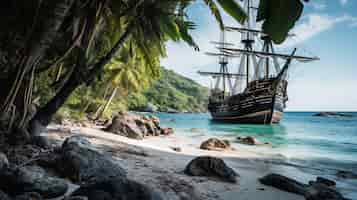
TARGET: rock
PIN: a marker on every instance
(31, 179)
(4, 196)
(171, 110)
(29, 196)
(346, 175)
(332, 114)
(177, 149)
(82, 162)
(155, 120)
(150, 108)
(249, 140)
(214, 144)
(116, 189)
(125, 125)
(320, 191)
(211, 167)
(167, 131)
(325, 181)
(283, 183)
(4, 162)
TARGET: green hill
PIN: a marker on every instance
(171, 92)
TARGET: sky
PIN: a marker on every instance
(327, 29)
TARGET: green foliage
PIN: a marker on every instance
(279, 17)
(172, 91)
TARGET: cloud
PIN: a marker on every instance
(343, 2)
(314, 24)
(319, 5)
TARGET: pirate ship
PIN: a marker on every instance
(257, 92)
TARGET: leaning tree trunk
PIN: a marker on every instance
(44, 115)
(107, 104)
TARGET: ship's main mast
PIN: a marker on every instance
(254, 64)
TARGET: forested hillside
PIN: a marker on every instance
(171, 92)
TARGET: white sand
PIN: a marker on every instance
(153, 162)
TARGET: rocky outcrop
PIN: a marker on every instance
(211, 167)
(332, 114)
(18, 181)
(346, 175)
(215, 144)
(82, 163)
(284, 183)
(249, 140)
(118, 189)
(320, 189)
(136, 126)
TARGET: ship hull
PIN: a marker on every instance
(259, 104)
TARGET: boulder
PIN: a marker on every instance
(167, 131)
(82, 162)
(211, 167)
(17, 181)
(214, 144)
(249, 140)
(125, 126)
(319, 191)
(324, 181)
(283, 183)
(118, 189)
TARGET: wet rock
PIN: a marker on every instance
(215, 144)
(324, 181)
(211, 167)
(283, 183)
(31, 179)
(320, 191)
(346, 175)
(29, 196)
(76, 198)
(4, 162)
(167, 131)
(118, 189)
(80, 161)
(249, 140)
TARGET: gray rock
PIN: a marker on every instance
(82, 162)
(116, 189)
(76, 198)
(211, 167)
(31, 179)
(249, 140)
(346, 175)
(284, 183)
(41, 141)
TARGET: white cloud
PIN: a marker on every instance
(343, 2)
(314, 24)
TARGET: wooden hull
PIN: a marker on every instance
(260, 103)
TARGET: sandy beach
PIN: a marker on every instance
(152, 161)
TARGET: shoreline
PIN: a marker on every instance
(153, 162)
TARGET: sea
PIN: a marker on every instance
(320, 146)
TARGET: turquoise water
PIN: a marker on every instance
(318, 145)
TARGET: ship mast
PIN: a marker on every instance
(255, 65)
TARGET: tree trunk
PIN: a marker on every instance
(107, 104)
(44, 115)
